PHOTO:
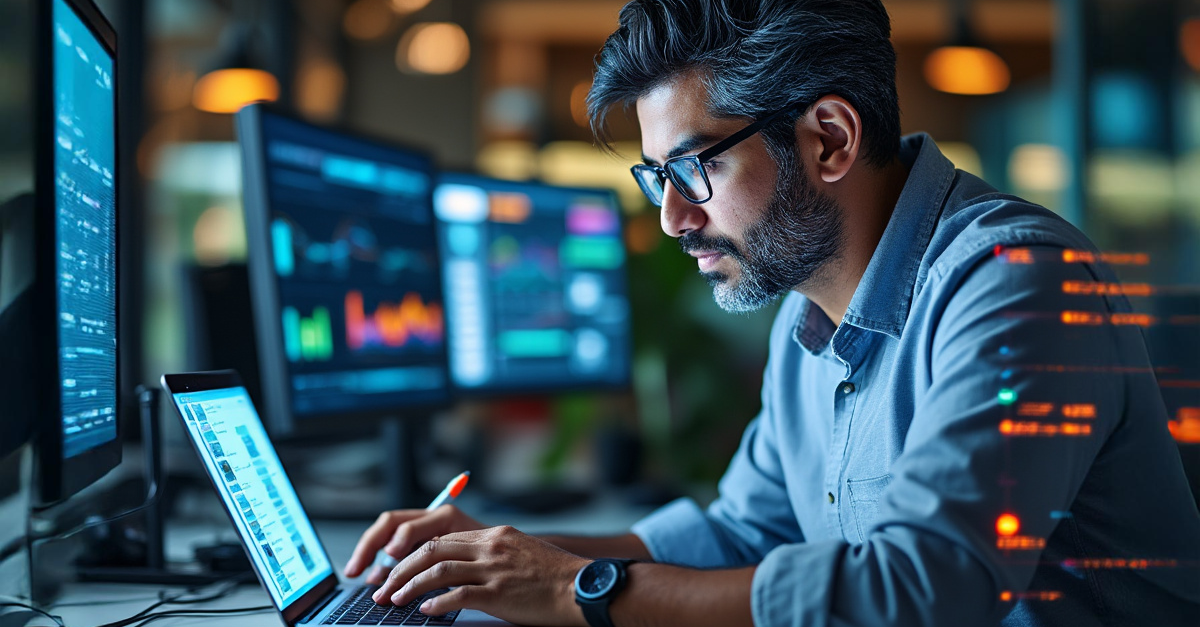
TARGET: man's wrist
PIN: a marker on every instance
(570, 610)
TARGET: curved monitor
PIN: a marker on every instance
(344, 274)
(535, 286)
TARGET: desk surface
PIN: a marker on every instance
(86, 604)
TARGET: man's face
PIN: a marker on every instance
(766, 230)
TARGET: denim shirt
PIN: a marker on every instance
(868, 490)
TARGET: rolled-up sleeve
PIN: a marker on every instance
(931, 557)
(679, 533)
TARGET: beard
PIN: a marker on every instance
(800, 232)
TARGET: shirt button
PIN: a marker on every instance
(830, 497)
(847, 387)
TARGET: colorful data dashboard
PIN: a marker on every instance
(350, 288)
(535, 285)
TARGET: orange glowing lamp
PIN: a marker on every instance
(228, 90)
(1008, 525)
(966, 70)
(235, 80)
(964, 66)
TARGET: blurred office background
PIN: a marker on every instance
(1089, 107)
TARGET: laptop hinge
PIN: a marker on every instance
(333, 594)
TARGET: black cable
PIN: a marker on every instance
(57, 619)
(224, 587)
(230, 582)
(149, 618)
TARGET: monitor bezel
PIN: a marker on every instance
(264, 285)
(174, 384)
(483, 392)
(56, 477)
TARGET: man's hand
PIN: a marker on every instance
(500, 571)
(398, 532)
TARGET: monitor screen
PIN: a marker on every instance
(85, 232)
(242, 463)
(351, 289)
(535, 285)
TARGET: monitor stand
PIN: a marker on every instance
(410, 448)
(219, 562)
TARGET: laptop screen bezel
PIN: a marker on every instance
(226, 379)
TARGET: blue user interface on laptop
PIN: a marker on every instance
(250, 479)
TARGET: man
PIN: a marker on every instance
(950, 435)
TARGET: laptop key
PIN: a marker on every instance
(397, 615)
(335, 614)
(417, 617)
(444, 619)
(374, 616)
(352, 614)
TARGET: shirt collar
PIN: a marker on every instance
(884, 294)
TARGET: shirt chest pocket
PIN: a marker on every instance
(864, 501)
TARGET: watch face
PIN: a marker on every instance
(596, 579)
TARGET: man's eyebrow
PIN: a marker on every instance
(687, 145)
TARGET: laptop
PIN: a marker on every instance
(278, 536)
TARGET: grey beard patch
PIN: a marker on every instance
(800, 233)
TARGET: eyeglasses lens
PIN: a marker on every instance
(688, 176)
(650, 183)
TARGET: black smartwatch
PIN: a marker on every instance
(595, 587)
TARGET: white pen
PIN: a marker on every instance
(451, 492)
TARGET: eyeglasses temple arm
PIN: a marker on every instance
(732, 140)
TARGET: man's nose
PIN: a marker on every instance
(679, 216)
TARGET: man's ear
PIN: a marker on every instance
(830, 137)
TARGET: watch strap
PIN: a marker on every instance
(596, 613)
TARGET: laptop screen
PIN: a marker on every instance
(266, 512)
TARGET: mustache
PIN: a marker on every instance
(696, 241)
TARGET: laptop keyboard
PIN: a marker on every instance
(360, 609)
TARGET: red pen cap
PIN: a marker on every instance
(460, 482)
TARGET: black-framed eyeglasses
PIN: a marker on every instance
(687, 172)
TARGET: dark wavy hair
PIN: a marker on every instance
(756, 56)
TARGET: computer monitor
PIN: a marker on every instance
(535, 286)
(74, 328)
(344, 274)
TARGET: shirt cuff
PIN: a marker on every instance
(679, 533)
(794, 583)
